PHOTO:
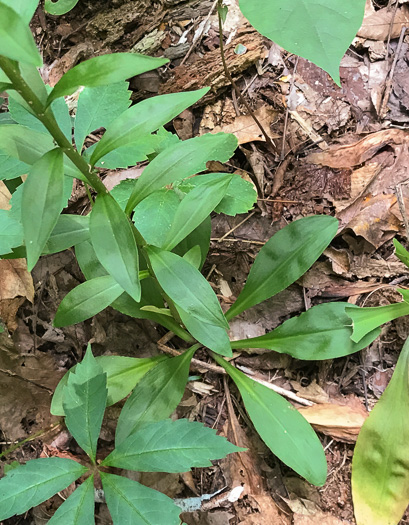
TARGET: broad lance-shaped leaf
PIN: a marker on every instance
(130, 502)
(84, 402)
(380, 466)
(29, 146)
(42, 203)
(142, 119)
(156, 395)
(35, 482)
(186, 286)
(284, 430)
(123, 373)
(16, 40)
(87, 300)
(170, 446)
(24, 8)
(114, 244)
(103, 70)
(181, 161)
(98, 107)
(69, 231)
(318, 31)
(366, 319)
(322, 332)
(59, 7)
(194, 299)
(284, 259)
(78, 508)
(401, 252)
(195, 207)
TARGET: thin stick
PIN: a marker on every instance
(197, 365)
(199, 37)
(233, 83)
(237, 226)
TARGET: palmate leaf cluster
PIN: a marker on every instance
(156, 444)
(141, 250)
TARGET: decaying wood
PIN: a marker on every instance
(209, 71)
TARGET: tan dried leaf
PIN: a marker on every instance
(341, 422)
(16, 285)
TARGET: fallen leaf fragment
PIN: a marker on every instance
(341, 422)
(16, 285)
(377, 24)
(245, 128)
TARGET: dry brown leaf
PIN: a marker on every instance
(5, 197)
(376, 24)
(16, 285)
(26, 386)
(357, 152)
(246, 130)
(320, 518)
(341, 422)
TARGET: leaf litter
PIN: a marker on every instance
(343, 156)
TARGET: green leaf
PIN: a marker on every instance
(401, 252)
(240, 196)
(114, 244)
(11, 168)
(380, 466)
(210, 335)
(16, 40)
(170, 446)
(142, 119)
(59, 108)
(98, 107)
(284, 259)
(35, 482)
(200, 236)
(11, 232)
(103, 70)
(130, 502)
(180, 161)
(156, 395)
(123, 373)
(194, 256)
(364, 320)
(25, 8)
(87, 300)
(69, 231)
(162, 205)
(24, 144)
(186, 286)
(195, 207)
(78, 508)
(84, 402)
(322, 332)
(318, 31)
(59, 7)
(282, 428)
(42, 203)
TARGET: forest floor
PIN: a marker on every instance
(337, 151)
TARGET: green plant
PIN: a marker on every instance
(154, 445)
(143, 244)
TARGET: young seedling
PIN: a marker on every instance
(153, 445)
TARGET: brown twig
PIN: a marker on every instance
(233, 83)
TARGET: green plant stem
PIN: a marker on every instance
(46, 117)
(233, 83)
(38, 434)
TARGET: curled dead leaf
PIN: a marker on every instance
(341, 422)
(16, 285)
